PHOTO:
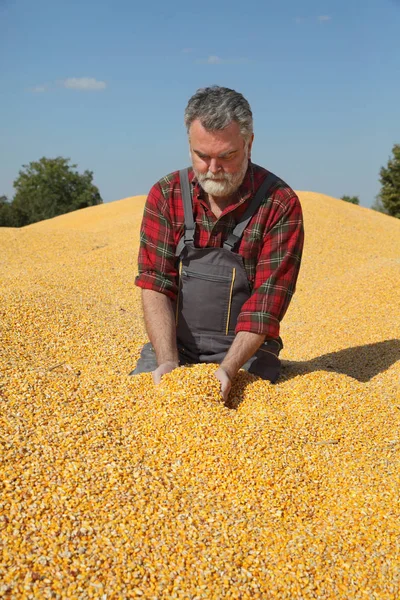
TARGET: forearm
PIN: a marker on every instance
(160, 325)
(243, 347)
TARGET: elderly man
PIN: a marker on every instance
(220, 251)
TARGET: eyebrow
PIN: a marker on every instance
(222, 155)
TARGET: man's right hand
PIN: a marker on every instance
(164, 368)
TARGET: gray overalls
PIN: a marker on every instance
(212, 288)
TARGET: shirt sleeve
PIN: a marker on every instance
(276, 274)
(156, 260)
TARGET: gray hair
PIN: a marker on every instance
(216, 107)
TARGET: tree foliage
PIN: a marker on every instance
(390, 182)
(8, 218)
(47, 188)
(351, 199)
(378, 206)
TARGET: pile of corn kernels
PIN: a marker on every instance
(114, 488)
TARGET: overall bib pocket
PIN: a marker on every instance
(205, 298)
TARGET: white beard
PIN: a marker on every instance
(222, 184)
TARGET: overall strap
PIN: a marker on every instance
(259, 196)
(188, 238)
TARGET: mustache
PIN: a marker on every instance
(212, 177)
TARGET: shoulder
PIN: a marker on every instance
(165, 196)
(280, 196)
(169, 186)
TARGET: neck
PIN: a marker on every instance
(222, 200)
(219, 203)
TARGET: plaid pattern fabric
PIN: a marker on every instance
(271, 245)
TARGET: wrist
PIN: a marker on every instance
(170, 361)
(229, 370)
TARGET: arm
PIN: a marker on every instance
(157, 276)
(161, 329)
(275, 281)
(277, 269)
(243, 347)
(156, 260)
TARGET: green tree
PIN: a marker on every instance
(390, 182)
(378, 206)
(8, 218)
(51, 187)
(351, 199)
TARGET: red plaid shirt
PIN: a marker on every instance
(271, 245)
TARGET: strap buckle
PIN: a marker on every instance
(231, 242)
(189, 235)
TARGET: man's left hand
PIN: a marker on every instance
(226, 382)
(163, 369)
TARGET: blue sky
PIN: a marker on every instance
(105, 83)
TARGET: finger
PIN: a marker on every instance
(228, 389)
(157, 376)
(225, 389)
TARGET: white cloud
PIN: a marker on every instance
(217, 60)
(39, 89)
(86, 84)
(214, 60)
(320, 19)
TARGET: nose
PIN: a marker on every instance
(214, 166)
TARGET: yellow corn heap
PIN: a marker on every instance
(113, 488)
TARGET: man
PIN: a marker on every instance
(220, 251)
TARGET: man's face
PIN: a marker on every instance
(219, 158)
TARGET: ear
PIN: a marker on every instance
(250, 144)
